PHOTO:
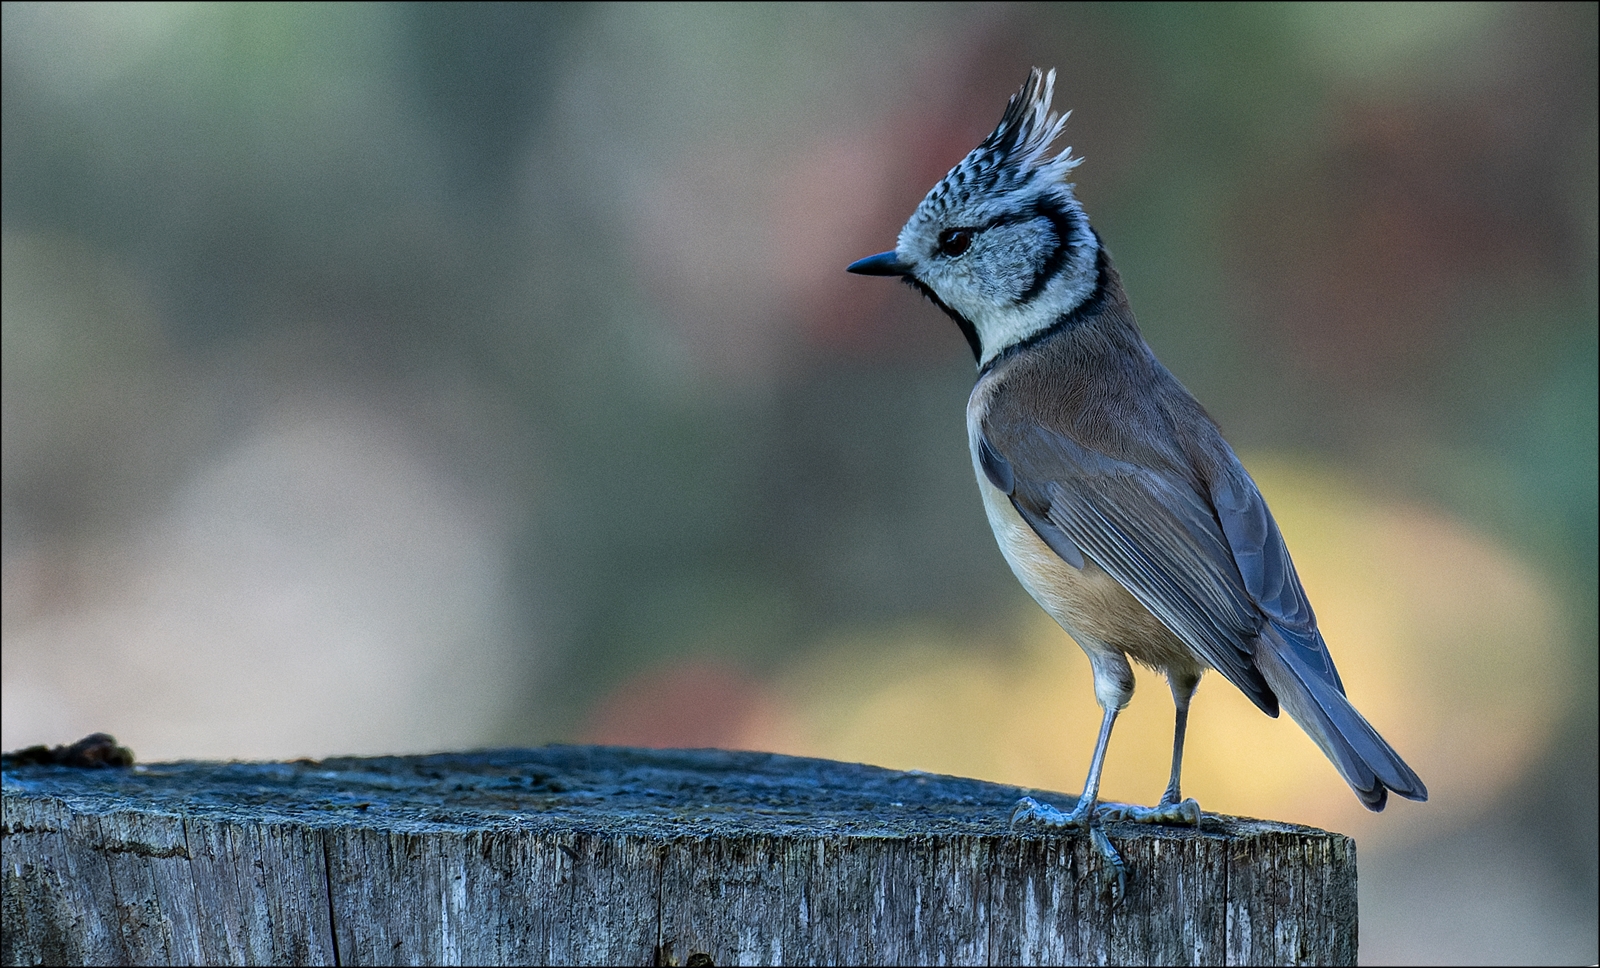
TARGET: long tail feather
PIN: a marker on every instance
(1368, 763)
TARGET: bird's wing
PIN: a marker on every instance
(1266, 569)
(1158, 537)
(1212, 566)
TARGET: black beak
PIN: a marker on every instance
(882, 264)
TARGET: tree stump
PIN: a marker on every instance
(601, 855)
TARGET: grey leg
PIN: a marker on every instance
(1173, 794)
(1031, 811)
(1172, 808)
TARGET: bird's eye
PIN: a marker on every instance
(953, 242)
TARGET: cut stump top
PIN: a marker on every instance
(583, 854)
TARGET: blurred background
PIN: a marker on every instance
(386, 379)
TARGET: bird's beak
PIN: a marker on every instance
(882, 264)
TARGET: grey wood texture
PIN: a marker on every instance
(602, 855)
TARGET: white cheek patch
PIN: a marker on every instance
(1016, 263)
(1002, 323)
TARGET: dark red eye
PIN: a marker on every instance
(953, 242)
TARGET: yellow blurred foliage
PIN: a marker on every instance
(1450, 645)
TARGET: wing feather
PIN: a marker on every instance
(1158, 538)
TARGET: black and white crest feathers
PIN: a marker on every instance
(1017, 153)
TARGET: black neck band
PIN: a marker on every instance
(1063, 322)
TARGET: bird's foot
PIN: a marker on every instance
(1186, 813)
(1032, 812)
(1113, 873)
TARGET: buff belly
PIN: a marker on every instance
(1102, 616)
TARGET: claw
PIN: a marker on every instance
(1031, 811)
(1114, 875)
(1187, 812)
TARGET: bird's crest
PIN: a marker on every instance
(1018, 152)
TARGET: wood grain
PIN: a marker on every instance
(598, 855)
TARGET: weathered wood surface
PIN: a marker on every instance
(596, 855)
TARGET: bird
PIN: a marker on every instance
(1111, 491)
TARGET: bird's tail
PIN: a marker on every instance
(1316, 701)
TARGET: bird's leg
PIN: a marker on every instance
(1031, 811)
(1173, 808)
(1173, 793)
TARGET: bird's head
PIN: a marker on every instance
(1001, 243)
